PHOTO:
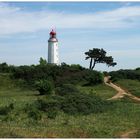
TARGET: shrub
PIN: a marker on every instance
(51, 105)
(126, 74)
(73, 104)
(34, 114)
(113, 79)
(70, 74)
(32, 111)
(51, 114)
(44, 87)
(4, 67)
(66, 89)
(75, 76)
(77, 67)
(84, 104)
(6, 109)
(106, 73)
(93, 77)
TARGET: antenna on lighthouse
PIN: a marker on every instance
(53, 29)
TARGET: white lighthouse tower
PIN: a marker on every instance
(53, 56)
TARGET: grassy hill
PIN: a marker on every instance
(122, 118)
(77, 108)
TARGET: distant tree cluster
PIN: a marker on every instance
(126, 74)
(5, 68)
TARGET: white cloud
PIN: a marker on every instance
(17, 20)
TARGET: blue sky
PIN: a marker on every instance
(80, 26)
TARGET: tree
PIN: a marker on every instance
(99, 56)
(4, 67)
(42, 61)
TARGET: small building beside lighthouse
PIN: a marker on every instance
(53, 55)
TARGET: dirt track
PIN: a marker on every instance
(128, 134)
(121, 93)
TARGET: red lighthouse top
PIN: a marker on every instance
(53, 36)
(52, 32)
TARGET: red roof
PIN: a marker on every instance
(52, 32)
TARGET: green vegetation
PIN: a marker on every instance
(44, 87)
(77, 108)
(100, 90)
(97, 55)
(127, 79)
(6, 109)
(126, 74)
(66, 89)
(73, 104)
(64, 74)
(133, 86)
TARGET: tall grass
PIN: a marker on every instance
(132, 86)
(123, 117)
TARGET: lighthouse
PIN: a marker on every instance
(53, 55)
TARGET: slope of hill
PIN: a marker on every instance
(122, 118)
(77, 107)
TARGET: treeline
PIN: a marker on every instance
(126, 74)
(58, 75)
(5, 68)
(64, 74)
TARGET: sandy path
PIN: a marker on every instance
(128, 134)
(121, 93)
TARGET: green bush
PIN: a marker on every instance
(64, 74)
(5, 68)
(36, 72)
(73, 104)
(74, 76)
(113, 79)
(51, 105)
(51, 102)
(66, 89)
(93, 77)
(44, 87)
(126, 74)
(51, 114)
(34, 114)
(106, 73)
(32, 111)
(84, 104)
(6, 109)
(77, 67)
